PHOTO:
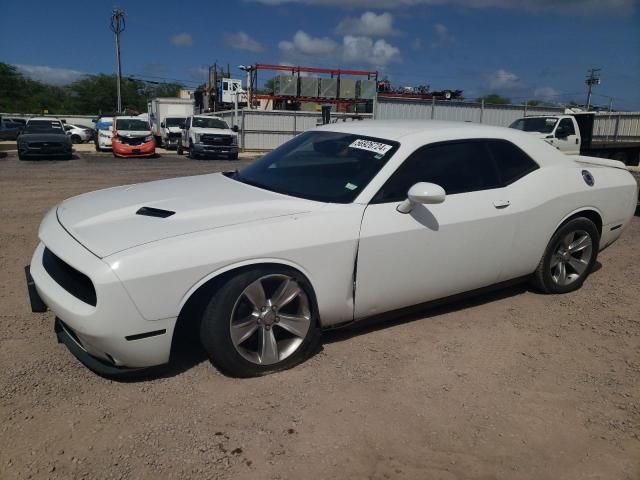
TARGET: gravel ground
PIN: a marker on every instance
(508, 385)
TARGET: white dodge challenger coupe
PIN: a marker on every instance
(341, 223)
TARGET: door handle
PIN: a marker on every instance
(501, 203)
(577, 141)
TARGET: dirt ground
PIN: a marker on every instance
(509, 385)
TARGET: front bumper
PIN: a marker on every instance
(203, 149)
(27, 151)
(113, 332)
(147, 149)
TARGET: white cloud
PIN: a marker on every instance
(582, 7)
(50, 75)
(443, 36)
(242, 41)
(199, 73)
(354, 50)
(546, 93)
(368, 24)
(365, 50)
(502, 79)
(182, 40)
(305, 44)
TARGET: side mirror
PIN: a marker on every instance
(422, 193)
(235, 128)
(161, 124)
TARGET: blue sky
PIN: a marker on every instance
(518, 48)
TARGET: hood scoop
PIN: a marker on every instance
(154, 212)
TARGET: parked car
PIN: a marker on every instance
(132, 138)
(9, 130)
(78, 134)
(340, 223)
(44, 137)
(103, 133)
(206, 135)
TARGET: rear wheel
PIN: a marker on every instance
(569, 258)
(261, 321)
(76, 139)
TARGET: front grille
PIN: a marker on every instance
(74, 282)
(174, 135)
(211, 139)
(132, 140)
(45, 145)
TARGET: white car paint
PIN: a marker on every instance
(104, 132)
(84, 134)
(145, 269)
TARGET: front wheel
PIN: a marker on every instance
(569, 257)
(179, 148)
(261, 321)
(192, 155)
(75, 139)
(233, 156)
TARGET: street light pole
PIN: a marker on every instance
(117, 27)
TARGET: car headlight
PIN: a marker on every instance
(234, 141)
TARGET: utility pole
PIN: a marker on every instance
(592, 79)
(117, 27)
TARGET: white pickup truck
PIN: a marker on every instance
(613, 135)
(206, 135)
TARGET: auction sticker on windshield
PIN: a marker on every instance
(371, 146)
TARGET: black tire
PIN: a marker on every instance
(179, 148)
(215, 326)
(192, 155)
(75, 139)
(233, 156)
(20, 156)
(544, 279)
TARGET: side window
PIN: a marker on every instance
(512, 163)
(67, 128)
(567, 125)
(458, 167)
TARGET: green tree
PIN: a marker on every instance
(19, 94)
(495, 99)
(534, 103)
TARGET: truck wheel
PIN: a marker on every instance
(192, 155)
(233, 156)
(179, 148)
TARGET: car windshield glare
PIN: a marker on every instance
(325, 166)
(535, 124)
(174, 121)
(131, 124)
(43, 126)
(201, 122)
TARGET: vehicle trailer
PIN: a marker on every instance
(166, 117)
(614, 135)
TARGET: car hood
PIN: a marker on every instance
(106, 222)
(43, 137)
(216, 131)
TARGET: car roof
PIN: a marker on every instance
(47, 119)
(130, 117)
(426, 129)
(208, 116)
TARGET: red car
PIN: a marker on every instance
(132, 138)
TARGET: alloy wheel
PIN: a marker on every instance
(571, 257)
(270, 319)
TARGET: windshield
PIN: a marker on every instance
(174, 122)
(43, 126)
(535, 124)
(202, 122)
(131, 124)
(326, 166)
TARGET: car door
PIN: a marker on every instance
(435, 250)
(566, 139)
